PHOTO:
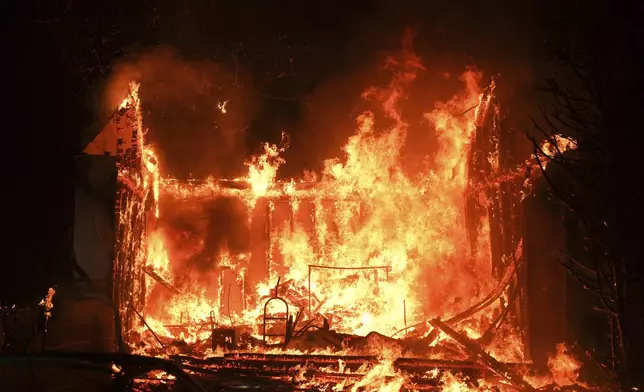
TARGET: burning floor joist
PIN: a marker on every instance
(300, 370)
(370, 256)
(317, 371)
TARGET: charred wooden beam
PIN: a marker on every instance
(474, 348)
(151, 273)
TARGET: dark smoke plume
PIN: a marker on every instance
(183, 104)
(226, 231)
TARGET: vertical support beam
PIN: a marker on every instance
(310, 316)
(291, 216)
(269, 237)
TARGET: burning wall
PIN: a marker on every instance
(365, 212)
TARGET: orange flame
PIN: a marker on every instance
(262, 170)
(564, 367)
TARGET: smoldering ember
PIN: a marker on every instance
(384, 270)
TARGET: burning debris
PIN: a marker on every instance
(371, 258)
(48, 304)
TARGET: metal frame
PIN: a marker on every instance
(285, 318)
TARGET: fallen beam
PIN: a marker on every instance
(151, 273)
(500, 369)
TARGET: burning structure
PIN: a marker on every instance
(369, 274)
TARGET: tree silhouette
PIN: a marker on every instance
(593, 98)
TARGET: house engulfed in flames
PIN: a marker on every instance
(368, 274)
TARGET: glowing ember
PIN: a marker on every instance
(551, 149)
(222, 106)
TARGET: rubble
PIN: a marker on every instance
(320, 339)
(226, 338)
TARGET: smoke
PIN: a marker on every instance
(197, 112)
(328, 116)
(226, 231)
(199, 233)
(446, 50)
(330, 70)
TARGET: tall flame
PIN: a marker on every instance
(262, 170)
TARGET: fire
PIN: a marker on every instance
(386, 238)
(365, 245)
(563, 372)
(262, 169)
(564, 367)
(552, 148)
(381, 378)
(222, 106)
